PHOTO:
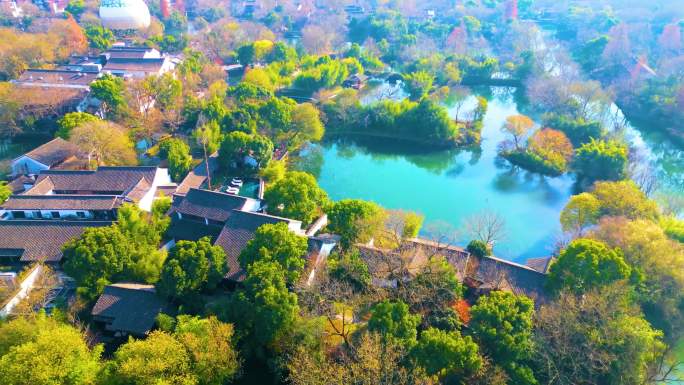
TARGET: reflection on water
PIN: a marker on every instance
(448, 186)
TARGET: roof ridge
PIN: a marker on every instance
(64, 196)
(44, 222)
(264, 215)
(220, 193)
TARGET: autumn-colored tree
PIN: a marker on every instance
(105, 143)
(518, 126)
(551, 141)
(70, 37)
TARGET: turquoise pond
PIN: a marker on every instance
(448, 187)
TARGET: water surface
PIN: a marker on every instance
(450, 186)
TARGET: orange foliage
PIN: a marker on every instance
(71, 37)
(463, 309)
(551, 141)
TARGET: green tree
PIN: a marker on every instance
(177, 154)
(43, 350)
(394, 321)
(236, 146)
(209, 342)
(124, 251)
(158, 359)
(190, 269)
(72, 120)
(276, 243)
(5, 192)
(99, 37)
(586, 264)
(296, 196)
(502, 324)
(659, 263)
(276, 116)
(580, 212)
(208, 137)
(265, 309)
(478, 248)
(99, 257)
(75, 7)
(579, 131)
(601, 160)
(624, 199)
(168, 91)
(355, 220)
(349, 267)
(418, 84)
(447, 354)
(306, 125)
(604, 325)
(274, 171)
(110, 90)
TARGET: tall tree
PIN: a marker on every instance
(586, 264)
(502, 323)
(208, 137)
(447, 354)
(42, 350)
(265, 310)
(355, 220)
(518, 126)
(105, 143)
(276, 243)
(394, 321)
(160, 358)
(296, 196)
(580, 212)
(110, 90)
(190, 269)
(72, 120)
(601, 160)
(598, 338)
(177, 154)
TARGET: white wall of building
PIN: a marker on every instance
(161, 178)
(47, 214)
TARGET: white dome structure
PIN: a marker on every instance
(124, 14)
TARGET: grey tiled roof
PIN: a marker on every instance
(62, 202)
(36, 76)
(208, 204)
(128, 307)
(540, 264)
(55, 151)
(41, 240)
(105, 179)
(186, 230)
(134, 64)
(239, 229)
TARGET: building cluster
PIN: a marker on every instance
(52, 205)
(66, 88)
